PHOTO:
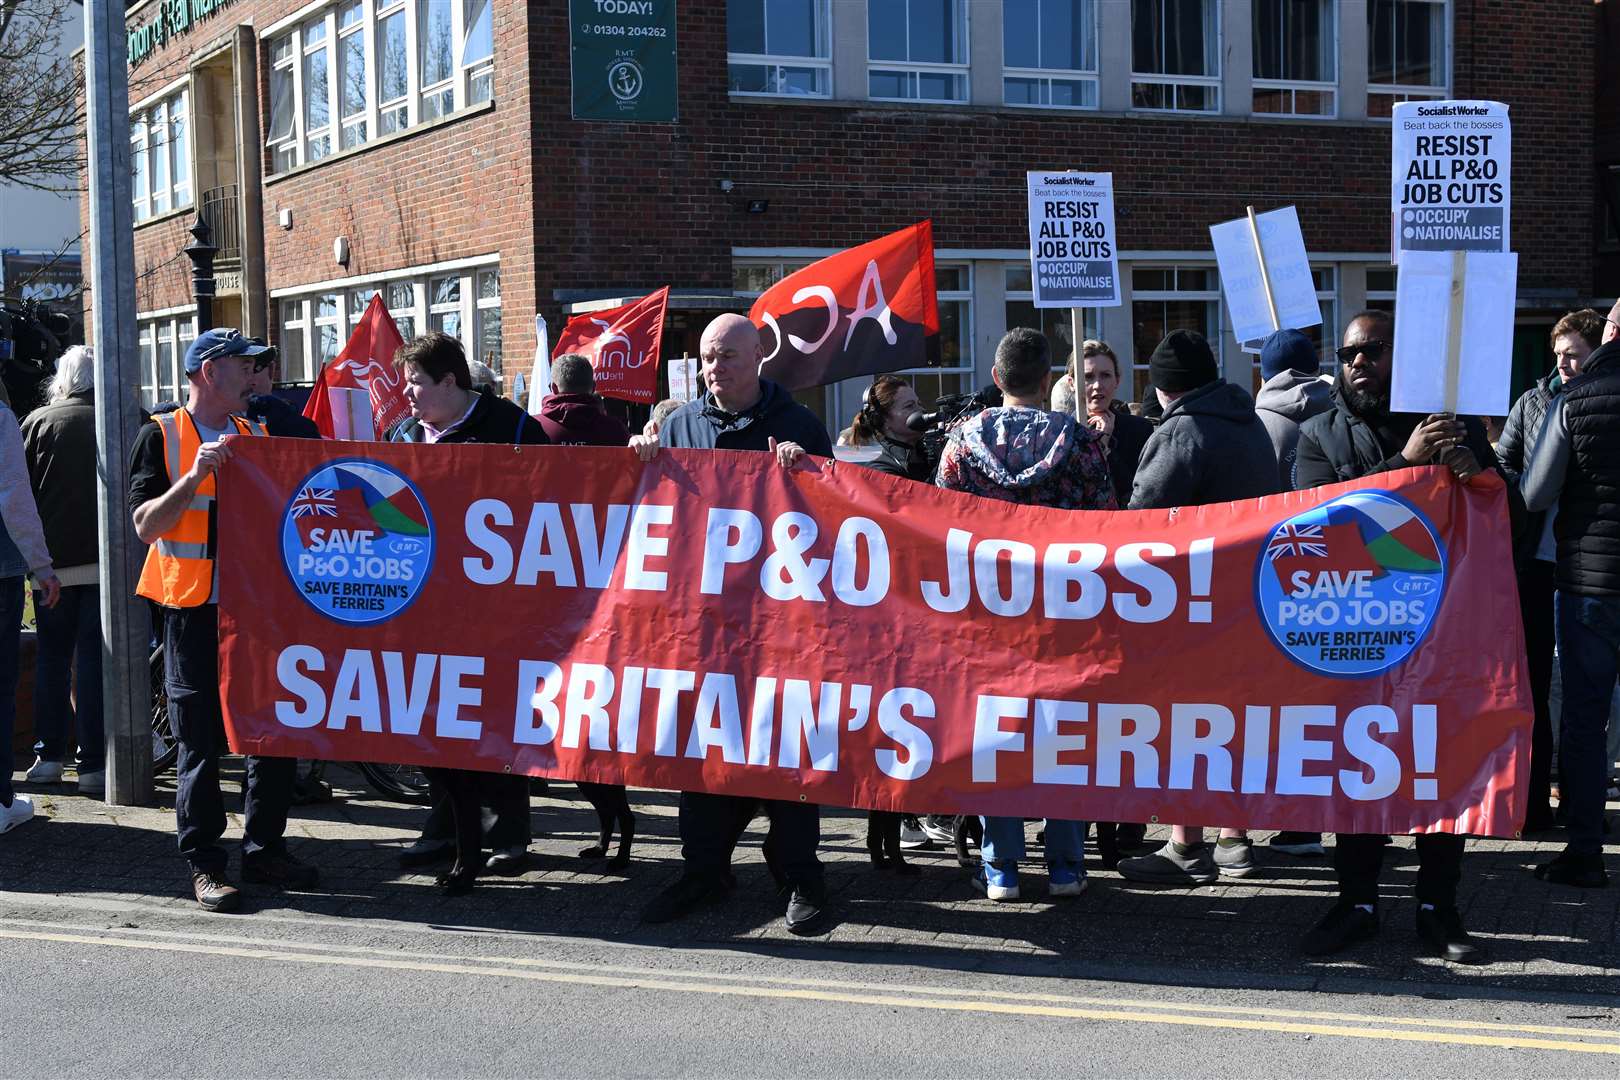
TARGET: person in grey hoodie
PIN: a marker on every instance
(1209, 447)
(1292, 393)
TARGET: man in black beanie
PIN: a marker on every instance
(1210, 447)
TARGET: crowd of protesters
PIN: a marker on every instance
(1066, 444)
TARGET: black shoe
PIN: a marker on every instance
(686, 895)
(807, 910)
(214, 893)
(508, 862)
(1540, 819)
(426, 853)
(459, 881)
(280, 869)
(1442, 933)
(1343, 926)
(1581, 871)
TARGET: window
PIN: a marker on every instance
(160, 157)
(1406, 53)
(1056, 323)
(1165, 299)
(349, 74)
(1381, 288)
(1296, 54)
(779, 47)
(1175, 55)
(1049, 53)
(163, 341)
(316, 325)
(917, 50)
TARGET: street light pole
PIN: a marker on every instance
(126, 623)
(201, 252)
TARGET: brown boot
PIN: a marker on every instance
(214, 893)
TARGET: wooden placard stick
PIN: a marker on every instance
(1265, 275)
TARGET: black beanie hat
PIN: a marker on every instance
(1182, 362)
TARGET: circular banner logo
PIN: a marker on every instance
(1350, 588)
(357, 541)
(625, 79)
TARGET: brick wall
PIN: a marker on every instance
(630, 207)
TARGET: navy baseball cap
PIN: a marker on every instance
(220, 343)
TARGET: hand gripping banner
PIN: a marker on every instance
(1347, 659)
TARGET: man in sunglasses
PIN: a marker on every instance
(279, 418)
(171, 496)
(1357, 437)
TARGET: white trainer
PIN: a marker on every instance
(44, 772)
(20, 810)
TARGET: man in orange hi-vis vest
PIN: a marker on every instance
(171, 496)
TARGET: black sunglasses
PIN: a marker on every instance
(1349, 352)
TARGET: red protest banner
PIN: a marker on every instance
(365, 363)
(1343, 659)
(863, 311)
(622, 345)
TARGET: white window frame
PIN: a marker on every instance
(912, 71)
(1045, 76)
(1175, 82)
(305, 323)
(1293, 87)
(1213, 330)
(361, 121)
(146, 120)
(177, 328)
(298, 327)
(1090, 317)
(481, 306)
(820, 64)
(293, 151)
(1399, 92)
(1327, 295)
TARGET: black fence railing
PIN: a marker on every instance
(222, 209)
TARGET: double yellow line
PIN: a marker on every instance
(938, 998)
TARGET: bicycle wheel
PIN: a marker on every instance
(402, 783)
(165, 747)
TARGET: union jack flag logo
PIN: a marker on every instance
(318, 501)
(1298, 540)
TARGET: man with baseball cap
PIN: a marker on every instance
(171, 496)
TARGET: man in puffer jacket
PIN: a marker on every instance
(1019, 452)
(1292, 393)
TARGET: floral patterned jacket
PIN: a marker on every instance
(1026, 455)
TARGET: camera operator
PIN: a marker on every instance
(886, 406)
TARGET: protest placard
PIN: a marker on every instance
(1454, 339)
(1265, 274)
(1074, 260)
(1451, 186)
(710, 621)
(684, 384)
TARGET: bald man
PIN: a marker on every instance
(741, 411)
(1611, 325)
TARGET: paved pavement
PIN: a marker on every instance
(917, 975)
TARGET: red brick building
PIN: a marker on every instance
(428, 148)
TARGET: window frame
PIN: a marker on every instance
(176, 328)
(913, 71)
(1293, 87)
(1176, 82)
(1045, 76)
(1090, 317)
(154, 114)
(293, 150)
(822, 65)
(1396, 93)
(1210, 296)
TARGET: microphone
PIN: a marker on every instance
(922, 421)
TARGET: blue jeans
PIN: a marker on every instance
(11, 609)
(1588, 660)
(1004, 840)
(70, 657)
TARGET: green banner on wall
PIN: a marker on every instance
(623, 54)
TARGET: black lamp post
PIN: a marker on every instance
(201, 253)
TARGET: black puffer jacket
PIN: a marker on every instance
(1513, 452)
(1588, 522)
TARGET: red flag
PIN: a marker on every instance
(622, 345)
(366, 363)
(863, 311)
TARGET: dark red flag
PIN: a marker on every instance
(861, 312)
(366, 363)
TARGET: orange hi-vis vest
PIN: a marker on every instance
(179, 570)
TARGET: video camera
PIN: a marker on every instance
(947, 411)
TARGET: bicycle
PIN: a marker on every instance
(402, 783)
